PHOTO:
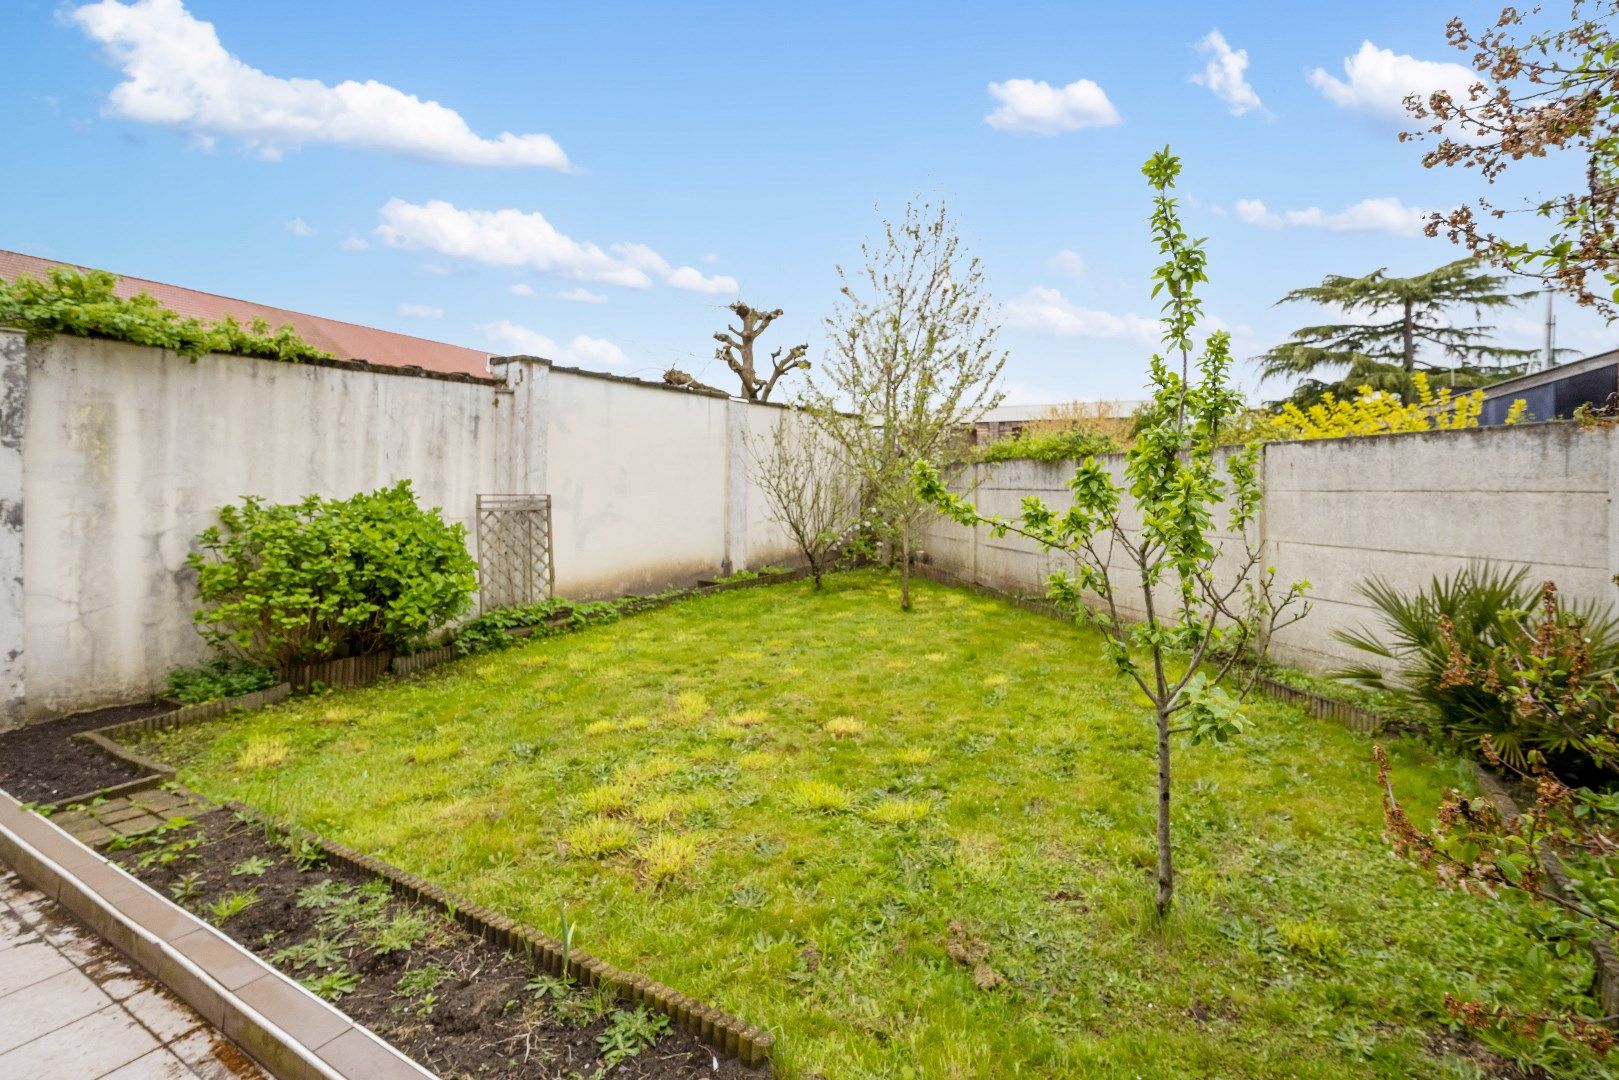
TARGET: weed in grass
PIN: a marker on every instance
(844, 727)
(691, 706)
(648, 770)
(914, 756)
(1311, 940)
(634, 723)
(598, 728)
(187, 887)
(894, 811)
(660, 809)
(331, 985)
(252, 866)
(599, 837)
(431, 753)
(748, 897)
(399, 934)
(606, 799)
(816, 796)
(230, 905)
(759, 760)
(421, 980)
(666, 857)
(630, 1032)
(262, 752)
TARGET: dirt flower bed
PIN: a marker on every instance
(454, 1002)
(43, 763)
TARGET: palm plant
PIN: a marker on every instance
(1467, 621)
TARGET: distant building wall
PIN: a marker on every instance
(113, 457)
(1338, 511)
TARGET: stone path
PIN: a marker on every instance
(98, 822)
(71, 1008)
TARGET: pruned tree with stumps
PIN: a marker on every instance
(736, 351)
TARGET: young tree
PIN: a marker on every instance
(1192, 621)
(807, 489)
(912, 364)
(736, 350)
(1538, 91)
(1408, 314)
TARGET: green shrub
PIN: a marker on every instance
(220, 677)
(1075, 444)
(1475, 621)
(87, 305)
(283, 584)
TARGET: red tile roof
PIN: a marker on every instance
(346, 340)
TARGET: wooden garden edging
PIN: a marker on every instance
(718, 1029)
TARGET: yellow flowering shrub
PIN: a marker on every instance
(1377, 412)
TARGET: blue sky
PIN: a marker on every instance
(663, 153)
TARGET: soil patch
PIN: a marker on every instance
(43, 763)
(457, 1004)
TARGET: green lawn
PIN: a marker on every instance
(909, 845)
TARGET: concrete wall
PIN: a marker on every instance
(1338, 511)
(127, 452)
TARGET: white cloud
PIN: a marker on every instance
(1047, 311)
(1068, 263)
(1042, 109)
(1387, 214)
(582, 350)
(582, 295)
(522, 288)
(516, 238)
(1378, 80)
(354, 243)
(421, 311)
(1226, 74)
(177, 73)
(299, 227)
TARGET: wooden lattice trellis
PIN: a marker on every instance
(514, 550)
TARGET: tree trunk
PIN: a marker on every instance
(905, 571)
(1166, 861)
(1410, 341)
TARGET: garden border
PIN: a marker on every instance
(720, 1031)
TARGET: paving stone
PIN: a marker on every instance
(36, 1010)
(94, 836)
(89, 1047)
(28, 964)
(160, 1064)
(143, 822)
(161, 1013)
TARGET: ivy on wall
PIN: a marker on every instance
(86, 304)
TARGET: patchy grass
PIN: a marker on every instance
(959, 889)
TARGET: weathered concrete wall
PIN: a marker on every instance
(1336, 512)
(129, 452)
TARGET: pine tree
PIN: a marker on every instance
(1385, 352)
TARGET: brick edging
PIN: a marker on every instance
(1602, 952)
(718, 1029)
